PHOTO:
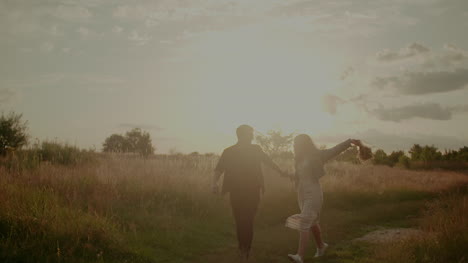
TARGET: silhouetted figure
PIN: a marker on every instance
(243, 180)
(309, 162)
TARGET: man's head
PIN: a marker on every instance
(245, 133)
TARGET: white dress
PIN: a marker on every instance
(310, 199)
(309, 191)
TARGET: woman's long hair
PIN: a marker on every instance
(304, 147)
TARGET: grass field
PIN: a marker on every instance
(123, 209)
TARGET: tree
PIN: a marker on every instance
(463, 154)
(12, 132)
(394, 157)
(275, 143)
(116, 143)
(139, 142)
(415, 152)
(134, 141)
(380, 157)
(430, 153)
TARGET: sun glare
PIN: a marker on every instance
(265, 81)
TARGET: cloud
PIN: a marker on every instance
(138, 38)
(432, 111)
(6, 95)
(132, 12)
(450, 55)
(117, 29)
(141, 126)
(72, 13)
(459, 108)
(91, 81)
(55, 31)
(419, 83)
(83, 31)
(163, 138)
(47, 47)
(453, 55)
(409, 51)
(348, 72)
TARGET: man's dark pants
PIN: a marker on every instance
(244, 208)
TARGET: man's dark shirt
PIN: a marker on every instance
(242, 168)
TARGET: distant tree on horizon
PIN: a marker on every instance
(12, 132)
(134, 141)
(425, 153)
(395, 157)
(415, 152)
(275, 144)
(380, 157)
(115, 143)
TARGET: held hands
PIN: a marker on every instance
(356, 142)
(287, 174)
(215, 189)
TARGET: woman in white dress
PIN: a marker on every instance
(309, 162)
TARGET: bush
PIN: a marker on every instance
(63, 154)
(50, 152)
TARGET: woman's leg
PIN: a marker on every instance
(317, 233)
(303, 242)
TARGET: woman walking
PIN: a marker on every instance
(309, 162)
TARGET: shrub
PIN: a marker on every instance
(50, 152)
(63, 154)
(404, 161)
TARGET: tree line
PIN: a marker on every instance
(13, 135)
(423, 155)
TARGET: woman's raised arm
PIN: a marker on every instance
(328, 154)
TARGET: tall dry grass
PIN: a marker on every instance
(445, 236)
(122, 208)
(370, 178)
(56, 213)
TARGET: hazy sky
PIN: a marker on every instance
(390, 72)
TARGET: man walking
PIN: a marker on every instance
(243, 180)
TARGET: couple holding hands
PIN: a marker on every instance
(243, 180)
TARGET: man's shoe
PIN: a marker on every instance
(321, 251)
(295, 258)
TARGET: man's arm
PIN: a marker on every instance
(269, 162)
(219, 170)
(273, 165)
(215, 186)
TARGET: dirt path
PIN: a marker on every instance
(273, 245)
(388, 235)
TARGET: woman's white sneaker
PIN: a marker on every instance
(321, 251)
(295, 258)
